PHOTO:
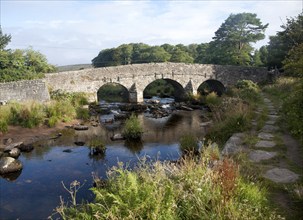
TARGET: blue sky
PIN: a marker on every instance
(73, 32)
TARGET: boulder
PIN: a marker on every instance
(117, 137)
(11, 146)
(9, 165)
(7, 141)
(80, 127)
(15, 153)
(26, 147)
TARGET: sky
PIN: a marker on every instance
(74, 32)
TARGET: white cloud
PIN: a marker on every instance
(74, 32)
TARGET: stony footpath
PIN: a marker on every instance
(275, 155)
(266, 148)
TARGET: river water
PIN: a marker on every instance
(36, 192)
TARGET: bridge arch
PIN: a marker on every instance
(113, 92)
(211, 85)
(164, 87)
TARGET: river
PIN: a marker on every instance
(36, 192)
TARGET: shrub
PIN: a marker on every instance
(132, 128)
(188, 144)
(292, 110)
(83, 113)
(248, 85)
(163, 190)
(3, 126)
(96, 147)
(221, 131)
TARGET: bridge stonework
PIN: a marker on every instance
(136, 77)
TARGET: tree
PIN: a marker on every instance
(126, 53)
(4, 39)
(23, 65)
(232, 40)
(293, 64)
(256, 59)
(180, 56)
(284, 41)
(157, 54)
(263, 55)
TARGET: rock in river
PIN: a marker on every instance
(15, 153)
(80, 127)
(9, 165)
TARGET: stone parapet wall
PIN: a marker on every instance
(24, 91)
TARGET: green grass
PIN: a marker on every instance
(164, 190)
(63, 107)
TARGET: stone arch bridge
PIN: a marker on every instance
(135, 78)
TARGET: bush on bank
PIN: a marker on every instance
(288, 92)
(232, 112)
(192, 189)
(62, 107)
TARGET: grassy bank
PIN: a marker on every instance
(288, 96)
(191, 189)
(233, 111)
(62, 107)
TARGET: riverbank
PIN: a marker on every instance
(31, 135)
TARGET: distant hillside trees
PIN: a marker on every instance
(21, 64)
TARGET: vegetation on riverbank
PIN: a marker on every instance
(288, 93)
(232, 112)
(62, 107)
(194, 188)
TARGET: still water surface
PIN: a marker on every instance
(37, 190)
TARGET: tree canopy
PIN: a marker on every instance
(21, 64)
(4, 39)
(232, 41)
(285, 48)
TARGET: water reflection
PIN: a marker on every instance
(47, 165)
(134, 146)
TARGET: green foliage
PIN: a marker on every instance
(132, 128)
(293, 63)
(4, 40)
(28, 115)
(247, 84)
(249, 91)
(34, 114)
(292, 109)
(23, 65)
(284, 41)
(187, 190)
(82, 113)
(96, 146)
(188, 144)
(223, 130)
(212, 100)
(231, 44)
(159, 87)
(288, 92)
(3, 126)
(113, 92)
(231, 115)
